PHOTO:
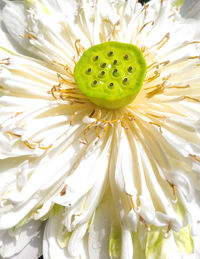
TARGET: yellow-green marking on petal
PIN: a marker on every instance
(111, 74)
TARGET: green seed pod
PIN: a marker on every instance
(121, 69)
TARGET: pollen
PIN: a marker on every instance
(111, 74)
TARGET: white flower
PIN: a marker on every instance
(120, 183)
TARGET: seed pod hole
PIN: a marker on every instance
(102, 74)
(110, 53)
(125, 81)
(116, 72)
(103, 65)
(111, 86)
(96, 58)
(126, 57)
(130, 69)
(89, 71)
(94, 83)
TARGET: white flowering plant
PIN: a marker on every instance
(99, 129)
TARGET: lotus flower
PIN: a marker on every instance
(99, 129)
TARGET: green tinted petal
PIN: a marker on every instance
(154, 245)
(23, 221)
(179, 3)
(63, 238)
(34, 2)
(184, 240)
(180, 210)
(52, 212)
(56, 209)
(158, 246)
(139, 252)
(115, 241)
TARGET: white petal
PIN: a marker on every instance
(99, 231)
(15, 20)
(5, 37)
(33, 250)
(15, 241)
(51, 247)
(190, 9)
(127, 247)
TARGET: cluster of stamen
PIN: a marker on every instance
(102, 125)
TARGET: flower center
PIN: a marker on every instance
(111, 74)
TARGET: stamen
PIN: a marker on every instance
(195, 157)
(13, 134)
(162, 42)
(156, 65)
(173, 189)
(179, 87)
(79, 48)
(150, 22)
(53, 91)
(63, 192)
(150, 79)
(86, 130)
(129, 116)
(107, 21)
(192, 42)
(144, 9)
(65, 67)
(132, 202)
(153, 65)
(168, 229)
(17, 114)
(71, 121)
(155, 123)
(97, 132)
(194, 57)
(143, 221)
(64, 80)
(192, 98)
(156, 116)
(114, 30)
(68, 94)
(74, 60)
(143, 49)
(28, 145)
(123, 125)
(104, 131)
(45, 148)
(5, 61)
(92, 113)
(30, 36)
(159, 90)
(99, 114)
